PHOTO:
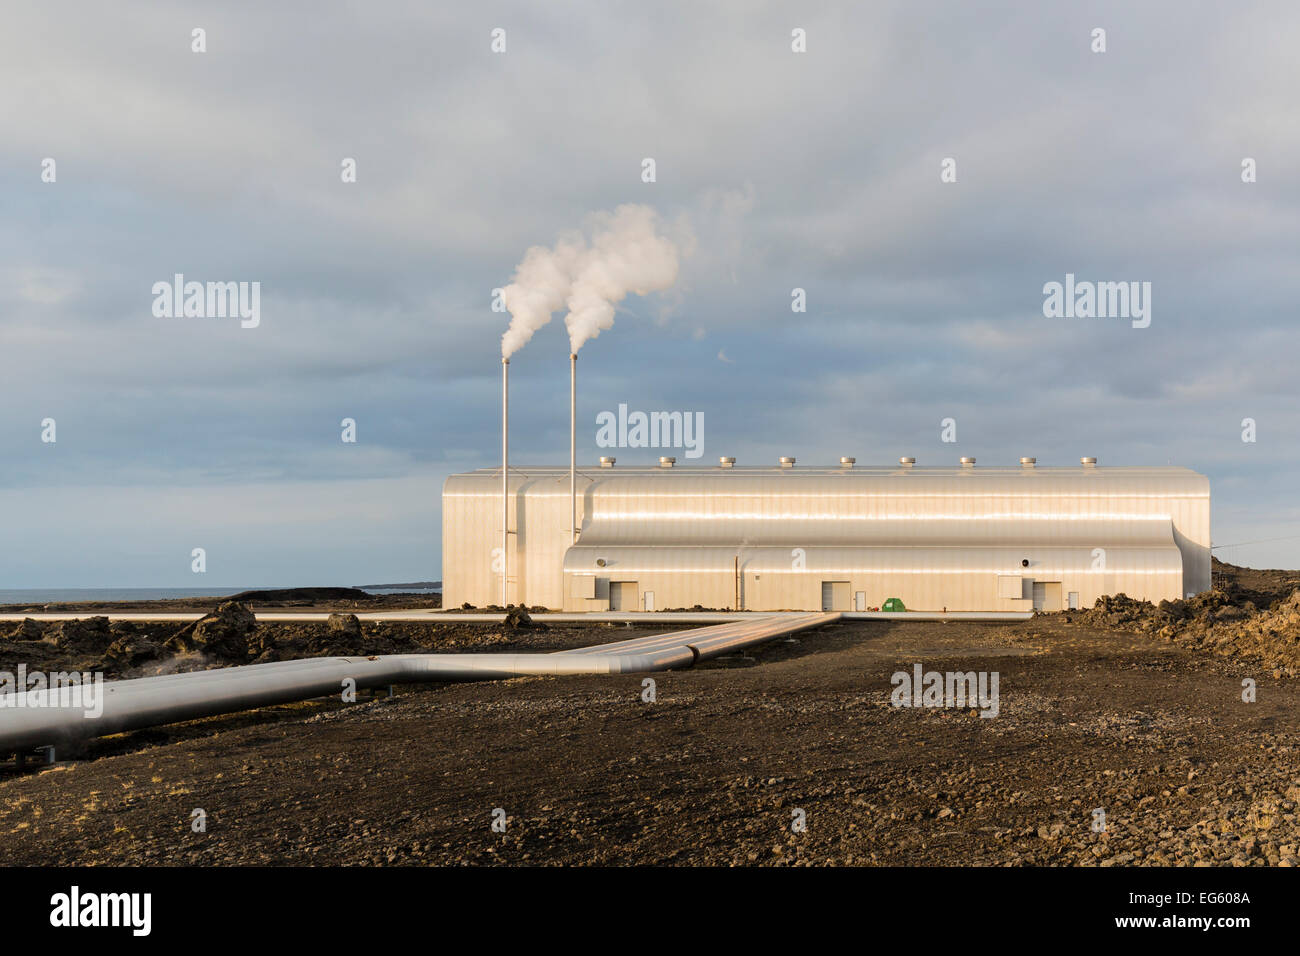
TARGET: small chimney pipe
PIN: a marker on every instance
(573, 445)
(505, 476)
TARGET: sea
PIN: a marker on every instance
(68, 595)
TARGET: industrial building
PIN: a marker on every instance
(789, 537)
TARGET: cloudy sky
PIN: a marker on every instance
(816, 170)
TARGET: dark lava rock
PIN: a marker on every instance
(343, 627)
(29, 630)
(131, 650)
(224, 634)
(88, 634)
(517, 617)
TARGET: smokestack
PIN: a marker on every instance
(505, 475)
(573, 444)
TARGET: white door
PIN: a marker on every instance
(860, 601)
(649, 600)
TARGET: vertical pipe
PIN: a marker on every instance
(573, 444)
(505, 476)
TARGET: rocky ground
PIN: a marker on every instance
(279, 599)
(1133, 711)
(1249, 616)
(231, 635)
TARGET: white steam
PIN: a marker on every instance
(540, 287)
(626, 254)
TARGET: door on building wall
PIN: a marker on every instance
(622, 596)
(835, 595)
(1047, 595)
(649, 600)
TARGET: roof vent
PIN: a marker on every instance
(907, 462)
(606, 461)
(667, 461)
(787, 461)
(1028, 462)
(968, 462)
(726, 462)
(848, 462)
(1088, 462)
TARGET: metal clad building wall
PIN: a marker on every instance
(936, 536)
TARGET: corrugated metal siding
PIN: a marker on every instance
(924, 578)
(939, 535)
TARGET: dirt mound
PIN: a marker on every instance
(91, 634)
(1114, 610)
(132, 649)
(1271, 637)
(1260, 586)
(1225, 621)
(517, 617)
(29, 630)
(223, 635)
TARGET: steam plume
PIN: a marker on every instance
(625, 254)
(540, 287)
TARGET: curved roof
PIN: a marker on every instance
(1141, 531)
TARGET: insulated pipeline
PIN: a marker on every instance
(42, 717)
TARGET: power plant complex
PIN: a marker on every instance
(841, 538)
(789, 538)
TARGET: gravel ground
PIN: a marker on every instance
(718, 768)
